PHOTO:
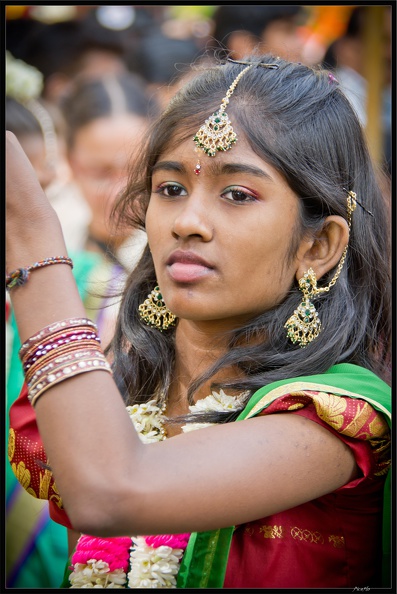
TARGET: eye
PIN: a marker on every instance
(170, 190)
(238, 195)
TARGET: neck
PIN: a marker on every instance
(197, 348)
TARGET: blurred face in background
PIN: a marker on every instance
(283, 37)
(34, 147)
(99, 158)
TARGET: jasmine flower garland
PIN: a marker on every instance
(140, 561)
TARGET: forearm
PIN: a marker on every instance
(76, 448)
(73, 445)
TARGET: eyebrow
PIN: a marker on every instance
(217, 168)
(228, 168)
(169, 166)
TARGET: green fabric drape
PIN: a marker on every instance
(205, 559)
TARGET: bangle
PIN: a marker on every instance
(50, 330)
(58, 342)
(61, 351)
(63, 358)
(20, 276)
(66, 371)
(58, 352)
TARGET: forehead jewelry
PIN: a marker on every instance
(217, 133)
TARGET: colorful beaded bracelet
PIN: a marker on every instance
(20, 276)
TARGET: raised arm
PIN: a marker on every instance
(110, 482)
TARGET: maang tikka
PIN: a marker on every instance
(217, 133)
(304, 325)
(154, 312)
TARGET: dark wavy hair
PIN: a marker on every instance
(298, 120)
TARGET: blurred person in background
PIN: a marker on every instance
(346, 57)
(68, 50)
(163, 62)
(40, 128)
(104, 118)
(35, 546)
(242, 29)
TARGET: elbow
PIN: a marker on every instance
(95, 524)
(103, 513)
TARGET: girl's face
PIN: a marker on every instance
(221, 240)
(99, 159)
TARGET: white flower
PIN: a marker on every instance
(153, 567)
(217, 401)
(194, 426)
(23, 82)
(95, 574)
(148, 420)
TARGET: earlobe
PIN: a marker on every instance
(326, 248)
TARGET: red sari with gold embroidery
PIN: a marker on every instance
(334, 541)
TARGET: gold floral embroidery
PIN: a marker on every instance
(57, 500)
(362, 416)
(23, 474)
(307, 535)
(45, 480)
(24, 477)
(296, 406)
(56, 497)
(271, 531)
(11, 444)
(301, 534)
(337, 541)
(330, 408)
(378, 426)
(38, 481)
(358, 425)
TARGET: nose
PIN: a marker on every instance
(193, 218)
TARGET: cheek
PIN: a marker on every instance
(263, 254)
(154, 225)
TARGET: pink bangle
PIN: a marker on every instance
(59, 341)
(62, 325)
(20, 276)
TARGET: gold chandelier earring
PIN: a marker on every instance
(154, 312)
(304, 325)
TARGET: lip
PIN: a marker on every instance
(187, 266)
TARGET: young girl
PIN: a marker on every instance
(105, 119)
(251, 350)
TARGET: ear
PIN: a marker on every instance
(323, 252)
